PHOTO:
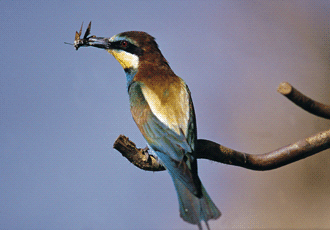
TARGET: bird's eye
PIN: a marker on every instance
(124, 44)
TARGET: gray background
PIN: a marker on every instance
(61, 111)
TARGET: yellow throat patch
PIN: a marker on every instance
(126, 60)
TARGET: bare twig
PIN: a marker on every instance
(212, 151)
(267, 161)
(138, 157)
(303, 101)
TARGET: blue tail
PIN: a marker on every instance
(194, 209)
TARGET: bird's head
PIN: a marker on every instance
(130, 49)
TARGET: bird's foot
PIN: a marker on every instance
(146, 153)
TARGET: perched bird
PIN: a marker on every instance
(162, 108)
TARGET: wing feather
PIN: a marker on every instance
(166, 128)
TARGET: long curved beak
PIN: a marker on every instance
(99, 42)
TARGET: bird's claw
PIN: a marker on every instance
(146, 153)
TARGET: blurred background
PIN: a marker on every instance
(61, 110)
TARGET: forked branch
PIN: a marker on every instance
(212, 151)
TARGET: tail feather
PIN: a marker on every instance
(194, 209)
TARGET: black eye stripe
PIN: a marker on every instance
(127, 46)
(124, 44)
(116, 45)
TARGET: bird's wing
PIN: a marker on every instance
(171, 116)
(170, 105)
(165, 127)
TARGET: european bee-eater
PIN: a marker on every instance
(162, 108)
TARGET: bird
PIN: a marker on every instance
(162, 108)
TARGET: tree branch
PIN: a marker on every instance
(267, 161)
(212, 151)
(303, 101)
(139, 157)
